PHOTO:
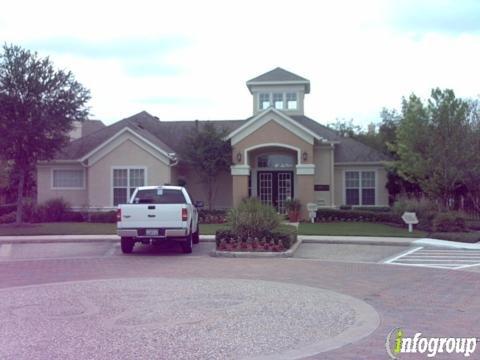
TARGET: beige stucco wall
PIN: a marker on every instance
(272, 132)
(323, 173)
(199, 191)
(127, 154)
(381, 180)
(240, 188)
(76, 197)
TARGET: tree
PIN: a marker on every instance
(431, 143)
(208, 154)
(345, 128)
(38, 105)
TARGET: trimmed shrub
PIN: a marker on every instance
(373, 208)
(73, 216)
(212, 216)
(253, 219)
(467, 237)
(345, 207)
(52, 210)
(326, 215)
(449, 222)
(7, 209)
(104, 217)
(473, 224)
(8, 218)
(425, 210)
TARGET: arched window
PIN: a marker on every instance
(275, 161)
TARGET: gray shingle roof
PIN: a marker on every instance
(348, 149)
(169, 136)
(277, 74)
(90, 126)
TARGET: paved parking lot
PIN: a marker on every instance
(436, 302)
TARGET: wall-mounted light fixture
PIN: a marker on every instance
(239, 157)
(305, 156)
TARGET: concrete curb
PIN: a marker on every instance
(357, 240)
(251, 254)
(63, 239)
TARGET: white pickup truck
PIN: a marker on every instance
(157, 213)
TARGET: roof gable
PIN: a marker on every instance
(272, 114)
(279, 76)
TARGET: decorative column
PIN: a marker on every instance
(305, 185)
(240, 174)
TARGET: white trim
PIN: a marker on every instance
(375, 171)
(246, 151)
(283, 120)
(305, 169)
(291, 82)
(366, 163)
(332, 175)
(117, 135)
(52, 170)
(128, 168)
(240, 170)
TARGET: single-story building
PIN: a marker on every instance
(278, 153)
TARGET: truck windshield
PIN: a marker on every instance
(159, 196)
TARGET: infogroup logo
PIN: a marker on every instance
(397, 343)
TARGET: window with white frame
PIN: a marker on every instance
(291, 101)
(125, 180)
(360, 187)
(263, 101)
(278, 101)
(68, 179)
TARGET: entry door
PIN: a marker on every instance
(274, 187)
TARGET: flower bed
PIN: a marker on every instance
(278, 240)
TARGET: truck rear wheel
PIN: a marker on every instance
(196, 236)
(187, 245)
(127, 245)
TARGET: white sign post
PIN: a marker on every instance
(312, 211)
(410, 218)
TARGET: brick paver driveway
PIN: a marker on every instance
(434, 302)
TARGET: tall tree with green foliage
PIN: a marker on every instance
(38, 106)
(431, 143)
(206, 151)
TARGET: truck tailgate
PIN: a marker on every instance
(151, 216)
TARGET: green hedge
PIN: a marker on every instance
(449, 222)
(280, 239)
(7, 209)
(325, 215)
(212, 216)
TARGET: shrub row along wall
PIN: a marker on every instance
(324, 215)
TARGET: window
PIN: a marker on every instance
(277, 161)
(124, 183)
(360, 187)
(68, 179)
(278, 101)
(263, 101)
(159, 196)
(291, 101)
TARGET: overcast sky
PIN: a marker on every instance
(184, 60)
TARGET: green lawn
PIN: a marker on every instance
(78, 228)
(210, 229)
(356, 229)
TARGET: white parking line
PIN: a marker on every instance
(5, 250)
(437, 258)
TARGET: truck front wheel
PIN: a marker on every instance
(127, 245)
